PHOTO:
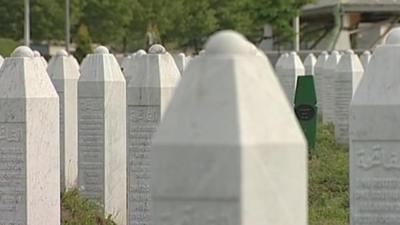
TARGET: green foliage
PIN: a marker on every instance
(328, 181)
(7, 46)
(77, 211)
(83, 43)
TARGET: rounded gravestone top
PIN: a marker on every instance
(102, 50)
(293, 53)
(181, 55)
(62, 53)
(367, 53)
(141, 52)
(22, 51)
(157, 49)
(335, 53)
(36, 53)
(393, 37)
(227, 42)
(349, 52)
(285, 54)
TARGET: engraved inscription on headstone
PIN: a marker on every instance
(91, 144)
(376, 199)
(12, 174)
(143, 123)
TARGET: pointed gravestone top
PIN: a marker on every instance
(102, 50)
(309, 64)
(350, 65)
(22, 51)
(225, 146)
(365, 59)
(62, 53)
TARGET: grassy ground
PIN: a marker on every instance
(7, 46)
(76, 211)
(328, 181)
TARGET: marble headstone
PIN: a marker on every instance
(348, 75)
(64, 73)
(134, 64)
(40, 59)
(365, 58)
(221, 157)
(375, 139)
(280, 62)
(328, 92)
(309, 64)
(148, 94)
(102, 133)
(29, 143)
(319, 78)
(1, 60)
(291, 68)
(180, 60)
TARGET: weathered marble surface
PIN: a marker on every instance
(291, 68)
(102, 154)
(365, 59)
(309, 64)
(180, 61)
(375, 139)
(64, 73)
(328, 92)
(348, 75)
(229, 159)
(149, 92)
(133, 63)
(29, 143)
(319, 77)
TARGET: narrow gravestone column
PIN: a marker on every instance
(134, 64)
(223, 156)
(180, 60)
(375, 139)
(319, 78)
(102, 133)
(29, 143)
(365, 58)
(328, 92)
(64, 74)
(348, 75)
(279, 63)
(291, 68)
(309, 64)
(149, 93)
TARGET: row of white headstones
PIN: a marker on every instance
(228, 150)
(336, 77)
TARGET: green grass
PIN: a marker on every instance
(77, 211)
(7, 46)
(328, 181)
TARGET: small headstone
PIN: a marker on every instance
(348, 75)
(306, 108)
(102, 133)
(223, 156)
(375, 139)
(328, 92)
(149, 93)
(29, 143)
(319, 78)
(291, 68)
(365, 58)
(180, 60)
(309, 64)
(64, 73)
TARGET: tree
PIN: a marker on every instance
(83, 42)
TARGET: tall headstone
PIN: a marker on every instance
(375, 139)
(64, 73)
(291, 68)
(149, 93)
(328, 92)
(134, 63)
(348, 75)
(309, 64)
(29, 143)
(229, 149)
(319, 78)
(180, 60)
(102, 133)
(280, 62)
(365, 58)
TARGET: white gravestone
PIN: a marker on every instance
(319, 78)
(149, 93)
(135, 63)
(365, 58)
(40, 58)
(348, 75)
(102, 133)
(29, 143)
(1, 60)
(64, 73)
(221, 157)
(180, 60)
(291, 68)
(328, 92)
(279, 63)
(375, 139)
(309, 64)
